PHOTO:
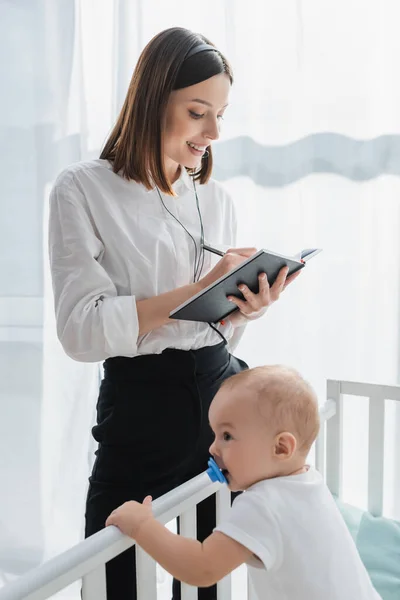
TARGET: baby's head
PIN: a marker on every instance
(265, 421)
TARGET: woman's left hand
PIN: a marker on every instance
(254, 306)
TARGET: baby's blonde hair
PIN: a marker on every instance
(285, 400)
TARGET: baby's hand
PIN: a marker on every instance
(129, 517)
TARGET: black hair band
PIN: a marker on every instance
(200, 48)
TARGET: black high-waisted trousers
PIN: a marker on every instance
(153, 434)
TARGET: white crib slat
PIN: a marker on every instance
(334, 441)
(223, 502)
(326, 412)
(187, 523)
(146, 576)
(94, 584)
(223, 505)
(251, 595)
(188, 529)
(320, 451)
(376, 454)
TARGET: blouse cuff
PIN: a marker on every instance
(121, 325)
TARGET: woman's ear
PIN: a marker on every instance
(285, 445)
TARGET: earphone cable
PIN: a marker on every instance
(195, 267)
(201, 258)
(198, 264)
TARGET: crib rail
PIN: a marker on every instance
(329, 446)
(87, 559)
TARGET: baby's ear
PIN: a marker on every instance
(285, 445)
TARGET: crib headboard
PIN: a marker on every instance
(329, 445)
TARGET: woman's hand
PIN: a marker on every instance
(130, 516)
(254, 306)
(231, 259)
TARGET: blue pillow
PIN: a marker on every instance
(378, 542)
(352, 517)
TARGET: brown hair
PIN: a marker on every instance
(135, 143)
(285, 400)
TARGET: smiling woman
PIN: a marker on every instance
(127, 235)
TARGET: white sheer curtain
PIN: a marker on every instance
(310, 151)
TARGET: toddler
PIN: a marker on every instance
(285, 526)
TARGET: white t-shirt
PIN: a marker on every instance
(111, 242)
(304, 549)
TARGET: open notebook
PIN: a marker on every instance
(211, 304)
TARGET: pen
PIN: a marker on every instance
(213, 250)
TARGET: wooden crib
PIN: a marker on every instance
(87, 560)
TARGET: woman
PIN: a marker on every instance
(126, 248)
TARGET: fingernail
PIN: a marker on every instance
(241, 288)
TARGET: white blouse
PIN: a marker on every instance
(112, 242)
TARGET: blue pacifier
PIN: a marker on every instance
(214, 472)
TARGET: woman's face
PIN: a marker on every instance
(192, 122)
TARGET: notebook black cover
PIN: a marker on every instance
(211, 304)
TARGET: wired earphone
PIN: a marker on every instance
(198, 252)
(198, 259)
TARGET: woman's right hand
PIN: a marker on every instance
(231, 259)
